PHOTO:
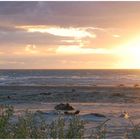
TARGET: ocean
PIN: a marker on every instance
(68, 77)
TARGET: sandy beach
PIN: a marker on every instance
(108, 100)
(101, 94)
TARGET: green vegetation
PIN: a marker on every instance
(5, 114)
(134, 132)
(100, 131)
(33, 126)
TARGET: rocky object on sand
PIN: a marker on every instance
(62, 106)
(98, 115)
(136, 85)
(73, 90)
(45, 93)
(117, 95)
(72, 113)
(8, 97)
(121, 85)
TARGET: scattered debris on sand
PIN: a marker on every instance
(136, 85)
(121, 85)
(62, 106)
(8, 97)
(72, 113)
(73, 90)
(98, 115)
(45, 93)
(117, 95)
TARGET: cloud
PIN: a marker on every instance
(79, 50)
(90, 19)
(116, 36)
(31, 48)
(51, 33)
(16, 8)
(1, 53)
(60, 61)
(65, 14)
(19, 37)
(11, 62)
(57, 31)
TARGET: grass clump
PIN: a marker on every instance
(134, 131)
(34, 126)
(75, 129)
(70, 129)
(100, 131)
(26, 127)
(5, 114)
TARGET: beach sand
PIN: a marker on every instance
(108, 100)
(103, 94)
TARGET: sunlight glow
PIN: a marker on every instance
(129, 54)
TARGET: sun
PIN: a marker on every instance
(129, 54)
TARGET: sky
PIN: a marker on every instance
(69, 35)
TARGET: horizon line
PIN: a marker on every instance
(70, 69)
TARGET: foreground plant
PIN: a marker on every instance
(134, 131)
(33, 125)
(100, 131)
(6, 113)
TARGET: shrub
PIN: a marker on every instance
(100, 131)
(134, 131)
(33, 125)
(5, 114)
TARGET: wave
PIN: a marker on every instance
(66, 78)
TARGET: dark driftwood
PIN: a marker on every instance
(62, 106)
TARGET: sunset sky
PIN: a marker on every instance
(69, 35)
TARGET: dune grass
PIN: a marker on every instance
(34, 126)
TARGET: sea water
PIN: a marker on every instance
(68, 77)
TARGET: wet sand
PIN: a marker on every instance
(107, 100)
(107, 94)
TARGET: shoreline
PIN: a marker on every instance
(13, 94)
(72, 86)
